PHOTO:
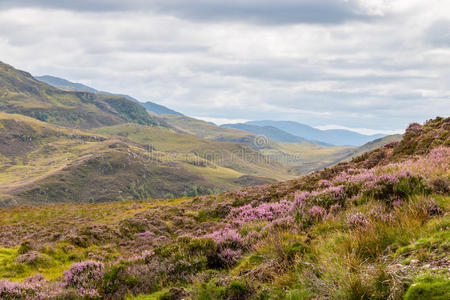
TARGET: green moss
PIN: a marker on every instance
(429, 287)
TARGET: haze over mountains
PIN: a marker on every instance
(338, 137)
(282, 131)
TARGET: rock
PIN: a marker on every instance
(396, 267)
(427, 266)
(414, 262)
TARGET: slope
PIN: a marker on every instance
(304, 157)
(21, 93)
(372, 228)
(41, 163)
(235, 156)
(270, 132)
(207, 130)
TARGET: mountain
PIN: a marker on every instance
(270, 132)
(207, 130)
(338, 137)
(273, 133)
(72, 86)
(376, 227)
(159, 109)
(22, 94)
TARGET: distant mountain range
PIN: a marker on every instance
(106, 147)
(67, 85)
(337, 137)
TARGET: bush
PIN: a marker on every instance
(209, 291)
(238, 290)
(230, 245)
(86, 277)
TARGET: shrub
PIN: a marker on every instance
(238, 290)
(35, 259)
(357, 220)
(209, 291)
(230, 245)
(86, 277)
(25, 247)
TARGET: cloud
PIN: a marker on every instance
(375, 75)
(438, 33)
(257, 11)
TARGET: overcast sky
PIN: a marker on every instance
(367, 64)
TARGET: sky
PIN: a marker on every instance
(368, 65)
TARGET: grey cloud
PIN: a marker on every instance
(438, 34)
(248, 11)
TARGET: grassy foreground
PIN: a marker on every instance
(377, 227)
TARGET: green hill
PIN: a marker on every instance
(207, 130)
(41, 163)
(22, 94)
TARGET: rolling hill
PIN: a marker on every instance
(338, 137)
(41, 163)
(207, 130)
(72, 86)
(304, 157)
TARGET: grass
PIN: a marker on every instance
(356, 245)
(429, 286)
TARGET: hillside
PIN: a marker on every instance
(22, 94)
(376, 227)
(304, 157)
(338, 137)
(235, 156)
(73, 86)
(267, 131)
(372, 145)
(41, 163)
(207, 130)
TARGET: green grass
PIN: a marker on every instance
(429, 287)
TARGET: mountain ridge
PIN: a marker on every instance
(22, 93)
(69, 85)
(338, 137)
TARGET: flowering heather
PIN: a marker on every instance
(324, 183)
(300, 203)
(13, 290)
(227, 237)
(230, 245)
(331, 195)
(317, 212)
(263, 212)
(229, 257)
(294, 231)
(358, 219)
(33, 287)
(85, 277)
(434, 165)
